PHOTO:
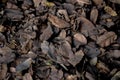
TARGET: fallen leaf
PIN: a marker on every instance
(106, 39)
(110, 11)
(36, 2)
(57, 22)
(89, 76)
(99, 3)
(76, 58)
(113, 54)
(24, 65)
(94, 15)
(81, 38)
(83, 1)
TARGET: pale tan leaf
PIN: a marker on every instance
(110, 11)
(94, 15)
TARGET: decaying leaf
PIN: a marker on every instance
(81, 38)
(24, 65)
(64, 14)
(2, 28)
(94, 15)
(76, 58)
(3, 72)
(71, 77)
(47, 33)
(110, 11)
(57, 22)
(106, 39)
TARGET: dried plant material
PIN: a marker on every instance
(94, 15)
(83, 1)
(76, 58)
(113, 54)
(89, 76)
(99, 3)
(24, 65)
(115, 1)
(91, 51)
(3, 72)
(2, 28)
(116, 76)
(64, 14)
(62, 34)
(57, 22)
(102, 67)
(69, 7)
(27, 76)
(106, 39)
(71, 77)
(45, 47)
(7, 55)
(55, 74)
(81, 38)
(12, 69)
(47, 33)
(37, 2)
(87, 28)
(15, 15)
(110, 11)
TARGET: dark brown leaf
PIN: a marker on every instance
(106, 39)
(57, 22)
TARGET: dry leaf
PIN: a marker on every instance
(81, 38)
(110, 11)
(57, 22)
(71, 77)
(89, 76)
(114, 54)
(2, 28)
(24, 65)
(99, 3)
(76, 58)
(94, 15)
(106, 39)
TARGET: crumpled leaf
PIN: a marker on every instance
(3, 72)
(110, 11)
(57, 22)
(47, 33)
(106, 39)
(24, 65)
(63, 13)
(94, 15)
(76, 58)
(81, 38)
